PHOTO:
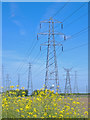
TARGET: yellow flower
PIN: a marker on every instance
(74, 113)
(50, 116)
(28, 116)
(74, 102)
(34, 109)
(17, 89)
(2, 105)
(23, 95)
(86, 112)
(78, 103)
(22, 87)
(30, 113)
(17, 110)
(21, 109)
(45, 114)
(23, 92)
(35, 115)
(60, 115)
(42, 117)
(61, 111)
(67, 113)
(22, 115)
(27, 107)
(72, 108)
(17, 85)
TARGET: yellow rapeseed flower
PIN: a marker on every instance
(35, 115)
(22, 116)
(17, 110)
(30, 113)
(45, 114)
(86, 112)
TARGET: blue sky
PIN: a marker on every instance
(20, 25)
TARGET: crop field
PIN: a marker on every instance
(46, 104)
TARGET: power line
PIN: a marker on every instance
(73, 12)
(61, 8)
(76, 47)
(77, 19)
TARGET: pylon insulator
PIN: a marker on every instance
(61, 26)
(62, 48)
(40, 48)
(40, 26)
(37, 37)
(64, 37)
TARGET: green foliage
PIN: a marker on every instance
(17, 92)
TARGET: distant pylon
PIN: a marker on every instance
(3, 80)
(19, 81)
(68, 81)
(7, 82)
(86, 89)
(30, 86)
(75, 83)
(51, 77)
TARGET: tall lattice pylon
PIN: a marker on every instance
(75, 83)
(30, 86)
(51, 77)
(68, 81)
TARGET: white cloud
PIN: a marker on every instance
(17, 23)
(22, 32)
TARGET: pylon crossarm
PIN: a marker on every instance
(50, 34)
(50, 44)
(57, 21)
(45, 21)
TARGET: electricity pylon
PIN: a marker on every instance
(68, 81)
(51, 77)
(3, 80)
(30, 86)
(7, 82)
(86, 89)
(19, 81)
(75, 83)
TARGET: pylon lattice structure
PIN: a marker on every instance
(30, 86)
(86, 89)
(75, 84)
(7, 82)
(3, 80)
(68, 82)
(51, 77)
(19, 81)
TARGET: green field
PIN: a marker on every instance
(44, 105)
